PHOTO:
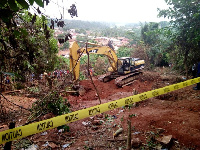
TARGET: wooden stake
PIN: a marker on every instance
(129, 135)
(9, 144)
(90, 74)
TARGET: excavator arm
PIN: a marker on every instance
(76, 53)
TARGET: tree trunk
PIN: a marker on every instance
(185, 61)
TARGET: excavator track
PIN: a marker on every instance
(121, 80)
(127, 79)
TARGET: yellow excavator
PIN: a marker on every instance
(123, 69)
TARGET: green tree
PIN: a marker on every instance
(83, 31)
(184, 31)
(148, 34)
(27, 46)
(124, 52)
(132, 36)
(65, 46)
(9, 7)
(81, 40)
(156, 43)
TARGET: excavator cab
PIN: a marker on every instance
(124, 65)
(127, 65)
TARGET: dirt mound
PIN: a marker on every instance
(176, 112)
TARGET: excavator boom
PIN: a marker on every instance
(123, 70)
(76, 53)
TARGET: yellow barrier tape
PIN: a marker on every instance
(23, 131)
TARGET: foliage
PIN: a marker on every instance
(33, 90)
(151, 140)
(148, 35)
(19, 85)
(65, 46)
(112, 32)
(61, 36)
(85, 25)
(124, 52)
(140, 51)
(9, 7)
(82, 76)
(63, 63)
(81, 40)
(184, 30)
(156, 44)
(99, 63)
(51, 103)
(22, 144)
(26, 46)
(83, 31)
(133, 36)
(95, 28)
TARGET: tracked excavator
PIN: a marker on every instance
(123, 70)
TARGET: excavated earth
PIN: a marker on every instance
(170, 121)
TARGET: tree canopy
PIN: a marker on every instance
(184, 30)
(26, 42)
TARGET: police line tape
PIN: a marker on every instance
(33, 128)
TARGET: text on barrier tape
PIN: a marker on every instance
(33, 128)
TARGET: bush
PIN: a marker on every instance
(51, 103)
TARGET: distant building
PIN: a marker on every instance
(116, 42)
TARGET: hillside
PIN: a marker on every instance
(168, 121)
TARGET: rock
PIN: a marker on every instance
(86, 123)
(32, 147)
(66, 145)
(99, 116)
(53, 145)
(81, 91)
(160, 130)
(165, 139)
(136, 143)
(44, 133)
(96, 122)
(48, 116)
(95, 127)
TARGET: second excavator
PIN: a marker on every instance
(123, 70)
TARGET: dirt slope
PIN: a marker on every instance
(177, 113)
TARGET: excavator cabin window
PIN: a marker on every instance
(126, 65)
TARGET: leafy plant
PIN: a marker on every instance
(124, 52)
(23, 143)
(82, 76)
(33, 90)
(51, 103)
(151, 140)
(183, 31)
(132, 115)
(122, 119)
(32, 47)
(19, 85)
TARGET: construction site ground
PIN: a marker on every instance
(170, 121)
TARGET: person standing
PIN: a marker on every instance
(198, 75)
(194, 70)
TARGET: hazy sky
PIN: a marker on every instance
(122, 11)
